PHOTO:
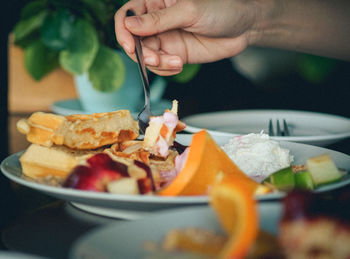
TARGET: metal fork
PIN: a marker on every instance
(279, 131)
(145, 114)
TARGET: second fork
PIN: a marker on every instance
(279, 131)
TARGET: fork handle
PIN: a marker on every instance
(141, 64)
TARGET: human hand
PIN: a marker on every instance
(175, 32)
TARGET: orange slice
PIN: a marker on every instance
(237, 213)
(206, 163)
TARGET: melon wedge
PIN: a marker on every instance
(323, 170)
(206, 164)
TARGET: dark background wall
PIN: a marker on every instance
(9, 14)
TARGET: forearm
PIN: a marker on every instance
(320, 27)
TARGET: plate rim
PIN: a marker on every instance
(152, 199)
(193, 129)
(96, 195)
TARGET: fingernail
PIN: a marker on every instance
(175, 62)
(132, 22)
(126, 47)
(150, 61)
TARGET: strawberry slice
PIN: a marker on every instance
(100, 171)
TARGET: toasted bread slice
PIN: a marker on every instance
(79, 131)
(129, 151)
(39, 161)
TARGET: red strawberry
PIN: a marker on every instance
(100, 160)
(96, 177)
(84, 178)
(105, 162)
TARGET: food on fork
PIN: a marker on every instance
(79, 131)
(161, 132)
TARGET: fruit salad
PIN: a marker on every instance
(127, 168)
(156, 164)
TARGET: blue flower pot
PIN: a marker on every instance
(129, 96)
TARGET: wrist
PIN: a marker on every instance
(265, 26)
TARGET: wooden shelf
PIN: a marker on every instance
(27, 95)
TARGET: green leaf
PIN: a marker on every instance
(97, 8)
(28, 40)
(57, 29)
(25, 27)
(188, 72)
(81, 50)
(107, 73)
(315, 69)
(33, 8)
(40, 60)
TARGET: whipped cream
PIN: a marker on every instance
(257, 155)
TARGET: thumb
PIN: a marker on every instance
(169, 18)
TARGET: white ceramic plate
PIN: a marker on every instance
(73, 106)
(306, 127)
(127, 239)
(18, 255)
(135, 206)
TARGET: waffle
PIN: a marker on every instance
(39, 161)
(79, 131)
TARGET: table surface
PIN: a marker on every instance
(50, 230)
(34, 223)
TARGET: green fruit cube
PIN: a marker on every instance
(303, 180)
(282, 179)
(323, 170)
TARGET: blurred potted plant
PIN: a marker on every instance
(79, 37)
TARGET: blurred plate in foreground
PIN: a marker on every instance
(127, 239)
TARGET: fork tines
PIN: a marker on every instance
(279, 131)
(285, 128)
(271, 131)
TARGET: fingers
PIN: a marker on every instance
(162, 20)
(123, 35)
(164, 72)
(160, 63)
(156, 59)
(165, 64)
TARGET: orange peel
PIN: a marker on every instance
(236, 210)
(206, 164)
